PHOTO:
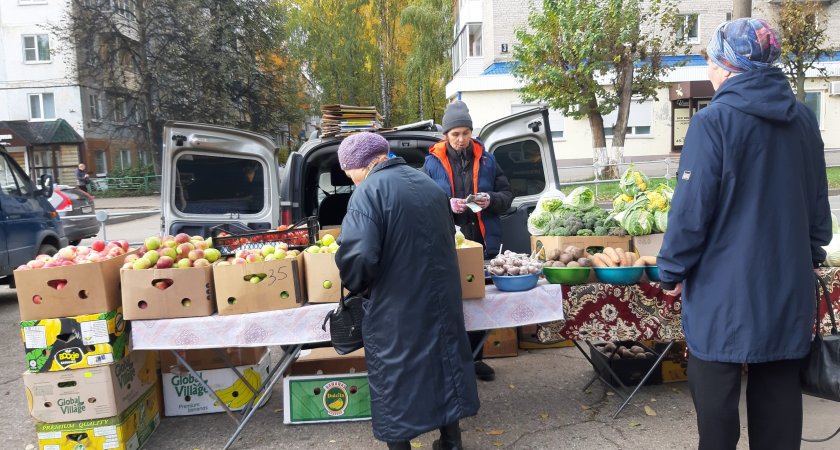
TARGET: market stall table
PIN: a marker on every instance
(291, 329)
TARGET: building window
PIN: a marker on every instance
(125, 8)
(639, 121)
(467, 45)
(813, 100)
(101, 163)
(36, 48)
(95, 111)
(689, 32)
(120, 112)
(144, 158)
(125, 159)
(41, 106)
(728, 16)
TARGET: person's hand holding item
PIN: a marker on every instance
(482, 199)
(458, 205)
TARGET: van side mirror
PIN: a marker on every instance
(46, 182)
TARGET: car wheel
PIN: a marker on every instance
(47, 249)
(75, 242)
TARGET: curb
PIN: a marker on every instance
(123, 219)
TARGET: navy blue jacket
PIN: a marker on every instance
(397, 241)
(487, 177)
(747, 222)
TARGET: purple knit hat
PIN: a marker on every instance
(358, 150)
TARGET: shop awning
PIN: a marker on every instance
(26, 134)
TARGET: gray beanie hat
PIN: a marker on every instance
(456, 115)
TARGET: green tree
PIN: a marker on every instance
(803, 27)
(588, 58)
(426, 65)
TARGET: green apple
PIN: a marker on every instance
(152, 257)
(327, 240)
(324, 250)
(152, 243)
(141, 263)
(313, 249)
(255, 279)
(333, 247)
(212, 254)
(327, 284)
(183, 263)
(279, 254)
(267, 250)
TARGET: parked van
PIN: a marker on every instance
(214, 175)
(28, 223)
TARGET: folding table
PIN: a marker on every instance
(293, 329)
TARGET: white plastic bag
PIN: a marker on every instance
(540, 221)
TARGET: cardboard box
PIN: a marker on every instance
(334, 230)
(323, 283)
(69, 290)
(212, 358)
(648, 245)
(471, 266)
(94, 393)
(544, 244)
(629, 371)
(675, 364)
(326, 398)
(501, 343)
(189, 295)
(126, 431)
(281, 286)
(184, 395)
(325, 361)
(75, 342)
(527, 336)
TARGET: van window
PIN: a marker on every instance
(219, 185)
(523, 166)
(12, 181)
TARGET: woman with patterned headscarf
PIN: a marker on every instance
(745, 230)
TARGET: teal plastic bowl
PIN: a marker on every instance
(516, 283)
(619, 275)
(566, 275)
(652, 273)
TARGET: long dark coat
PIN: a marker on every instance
(747, 222)
(397, 240)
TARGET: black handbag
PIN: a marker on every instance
(820, 374)
(346, 324)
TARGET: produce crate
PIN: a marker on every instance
(228, 238)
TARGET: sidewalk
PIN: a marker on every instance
(140, 207)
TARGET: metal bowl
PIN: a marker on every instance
(515, 283)
(652, 273)
(619, 275)
(566, 275)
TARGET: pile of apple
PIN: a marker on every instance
(326, 244)
(72, 255)
(179, 251)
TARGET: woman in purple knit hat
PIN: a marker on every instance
(398, 249)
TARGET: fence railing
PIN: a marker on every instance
(142, 185)
(589, 174)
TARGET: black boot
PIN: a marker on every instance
(450, 438)
(404, 445)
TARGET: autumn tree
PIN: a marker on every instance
(426, 66)
(588, 58)
(803, 27)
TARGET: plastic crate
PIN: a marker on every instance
(228, 238)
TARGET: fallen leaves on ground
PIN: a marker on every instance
(649, 411)
(633, 424)
(416, 444)
(498, 444)
(512, 386)
(496, 432)
(543, 416)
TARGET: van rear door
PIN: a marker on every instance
(214, 175)
(523, 149)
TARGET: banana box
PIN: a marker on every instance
(93, 393)
(471, 269)
(128, 430)
(326, 398)
(185, 395)
(76, 342)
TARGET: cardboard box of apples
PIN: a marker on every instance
(323, 283)
(169, 277)
(77, 280)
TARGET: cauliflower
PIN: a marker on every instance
(657, 201)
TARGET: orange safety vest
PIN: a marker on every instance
(439, 151)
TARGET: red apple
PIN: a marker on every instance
(67, 252)
(201, 262)
(184, 249)
(124, 244)
(44, 258)
(24, 267)
(128, 265)
(165, 262)
(35, 264)
(239, 261)
(182, 238)
(98, 245)
(196, 254)
(131, 258)
(168, 251)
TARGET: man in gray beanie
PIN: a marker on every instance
(462, 168)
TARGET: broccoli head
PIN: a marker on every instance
(584, 232)
(601, 231)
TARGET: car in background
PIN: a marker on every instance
(76, 209)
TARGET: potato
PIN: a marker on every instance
(585, 262)
(637, 349)
(566, 257)
(640, 356)
(609, 346)
(576, 252)
(573, 264)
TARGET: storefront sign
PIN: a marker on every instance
(682, 116)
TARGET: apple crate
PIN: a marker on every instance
(228, 238)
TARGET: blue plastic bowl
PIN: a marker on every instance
(516, 283)
(619, 275)
(652, 273)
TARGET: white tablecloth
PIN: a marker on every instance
(303, 325)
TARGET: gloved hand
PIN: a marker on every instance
(458, 205)
(482, 199)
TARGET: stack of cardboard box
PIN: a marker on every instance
(82, 385)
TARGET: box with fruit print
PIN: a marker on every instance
(75, 342)
(93, 393)
(185, 395)
(75, 281)
(323, 283)
(259, 280)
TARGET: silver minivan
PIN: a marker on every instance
(216, 175)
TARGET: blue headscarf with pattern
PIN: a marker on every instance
(744, 44)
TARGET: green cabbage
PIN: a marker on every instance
(638, 222)
(539, 222)
(552, 204)
(581, 197)
(660, 221)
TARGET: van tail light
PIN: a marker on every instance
(285, 215)
(66, 204)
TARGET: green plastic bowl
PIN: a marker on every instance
(566, 275)
(619, 275)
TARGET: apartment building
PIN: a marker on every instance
(51, 118)
(482, 62)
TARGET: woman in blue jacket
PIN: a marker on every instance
(745, 230)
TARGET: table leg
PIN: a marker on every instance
(647, 375)
(203, 383)
(239, 375)
(480, 344)
(290, 353)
